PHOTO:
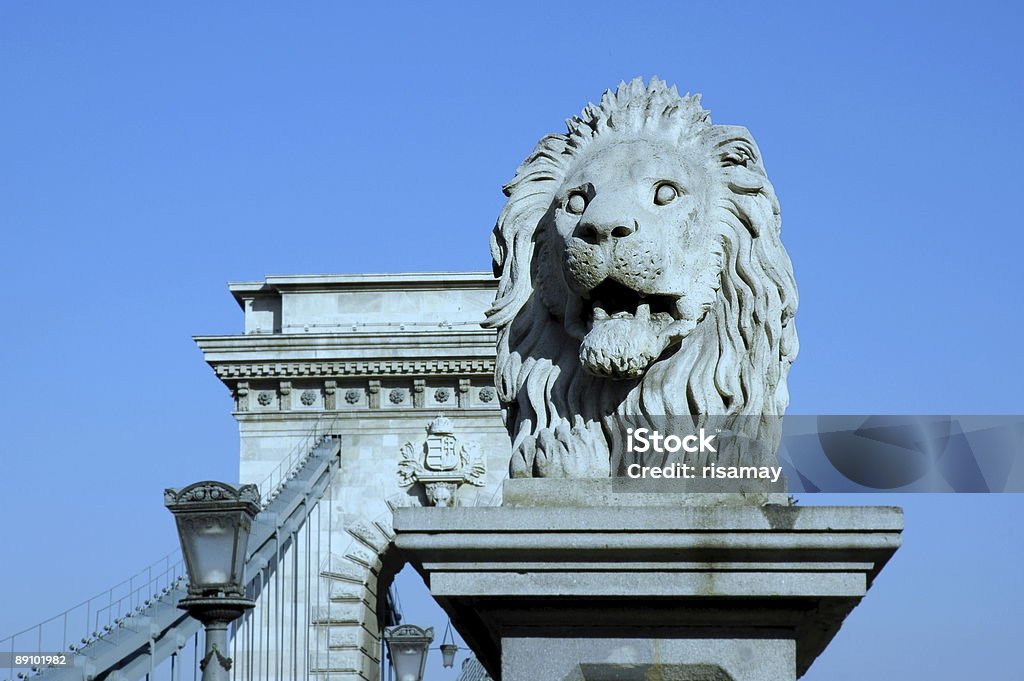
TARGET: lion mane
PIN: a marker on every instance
(735, 361)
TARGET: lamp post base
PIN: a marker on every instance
(216, 613)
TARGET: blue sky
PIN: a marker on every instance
(150, 152)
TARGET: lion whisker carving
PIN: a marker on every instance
(641, 274)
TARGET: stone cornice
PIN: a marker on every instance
(420, 353)
(392, 341)
(450, 352)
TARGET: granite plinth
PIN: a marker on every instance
(726, 591)
(611, 492)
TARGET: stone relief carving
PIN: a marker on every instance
(352, 396)
(396, 396)
(486, 394)
(330, 395)
(308, 397)
(641, 272)
(442, 394)
(442, 464)
(285, 393)
(265, 398)
(242, 396)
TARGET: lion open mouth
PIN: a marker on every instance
(626, 330)
(610, 299)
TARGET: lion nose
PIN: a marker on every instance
(594, 232)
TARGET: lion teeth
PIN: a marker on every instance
(599, 313)
(643, 311)
(622, 315)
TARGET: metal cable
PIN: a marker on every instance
(330, 559)
(295, 607)
(319, 563)
(266, 629)
(278, 600)
(305, 644)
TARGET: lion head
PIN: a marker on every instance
(641, 272)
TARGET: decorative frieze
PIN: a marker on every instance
(229, 370)
(305, 395)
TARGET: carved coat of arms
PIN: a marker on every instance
(442, 464)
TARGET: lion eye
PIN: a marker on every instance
(665, 193)
(576, 204)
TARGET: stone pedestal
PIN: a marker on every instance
(662, 588)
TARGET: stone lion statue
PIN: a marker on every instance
(641, 273)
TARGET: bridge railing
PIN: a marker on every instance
(102, 634)
(98, 616)
(273, 483)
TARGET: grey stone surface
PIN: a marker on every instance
(631, 659)
(325, 352)
(765, 579)
(338, 303)
(575, 492)
(641, 273)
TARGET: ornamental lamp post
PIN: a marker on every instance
(214, 520)
(407, 647)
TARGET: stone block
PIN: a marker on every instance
(355, 662)
(345, 612)
(697, 587)
(610, 659)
